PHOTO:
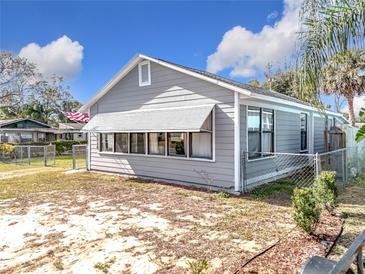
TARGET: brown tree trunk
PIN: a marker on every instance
(350, 102)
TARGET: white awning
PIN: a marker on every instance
(165, 120)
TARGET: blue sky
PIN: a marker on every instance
(106, 34)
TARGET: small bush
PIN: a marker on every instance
(106, 265)
(325, 190)
(199, 266)
(306, 211)
(223, 195)
(6, 149)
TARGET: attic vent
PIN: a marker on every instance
(144, 73)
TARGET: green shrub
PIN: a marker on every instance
(325, 190)
(306, 212)
(66, 145)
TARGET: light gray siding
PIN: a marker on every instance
(286, 139)
(170, 88)
(319, 127)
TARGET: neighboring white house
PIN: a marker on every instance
(169, 122)
(72, 131)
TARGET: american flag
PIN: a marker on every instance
(77, 116)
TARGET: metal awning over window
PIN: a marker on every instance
(166, 120)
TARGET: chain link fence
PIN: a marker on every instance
(32, 155)
(261, 168)
(301, 169)
(46, 156)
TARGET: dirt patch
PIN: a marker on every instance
(88, 219)
(291, 252)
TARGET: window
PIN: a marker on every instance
(201, 142)
(260, 126)
(26, 137)
(303, 132)
(156, 143)
(41, 137)
(106, 142)
(144, 73)
(137, 141)
(121, 142)
(176, 144)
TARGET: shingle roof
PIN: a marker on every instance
(8, 121)
(241, 85)
(71, 125)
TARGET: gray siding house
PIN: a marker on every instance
(164, 121)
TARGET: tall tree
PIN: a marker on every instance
(24, 92)
(17, 79)
(329, 27)
(50, 96)
(340, 77)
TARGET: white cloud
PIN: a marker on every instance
(62, 57)
(246, 52)
(273, 15)
(359, 102)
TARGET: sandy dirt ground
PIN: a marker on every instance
(23, 172)
(129, 227)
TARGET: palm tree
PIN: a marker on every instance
(329, 27)
(340, 77)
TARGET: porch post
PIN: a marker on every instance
(237, 149)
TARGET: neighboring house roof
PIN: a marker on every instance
(12, 121)
(247, 90)
(74, 126)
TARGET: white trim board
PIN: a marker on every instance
(237, 143)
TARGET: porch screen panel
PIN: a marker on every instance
(156, 143)
(137, 143)
(121, 142)
(201, 145)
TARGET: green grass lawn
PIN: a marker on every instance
(63, 161)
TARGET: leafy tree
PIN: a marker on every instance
(17, 79)
(26, 93)
(329, 28)
(340, 77)
(360, 135)
(50, 96)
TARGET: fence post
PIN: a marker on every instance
(45, 155)
(73, 158)
(343, 167)
(28, 155)
(86, 156)
(316, 159)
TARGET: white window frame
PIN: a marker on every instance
(248, 159)
(147, 83)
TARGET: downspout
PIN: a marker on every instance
(237, 149)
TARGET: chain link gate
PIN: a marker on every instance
(79, 156)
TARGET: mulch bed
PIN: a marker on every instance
(290, 253)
